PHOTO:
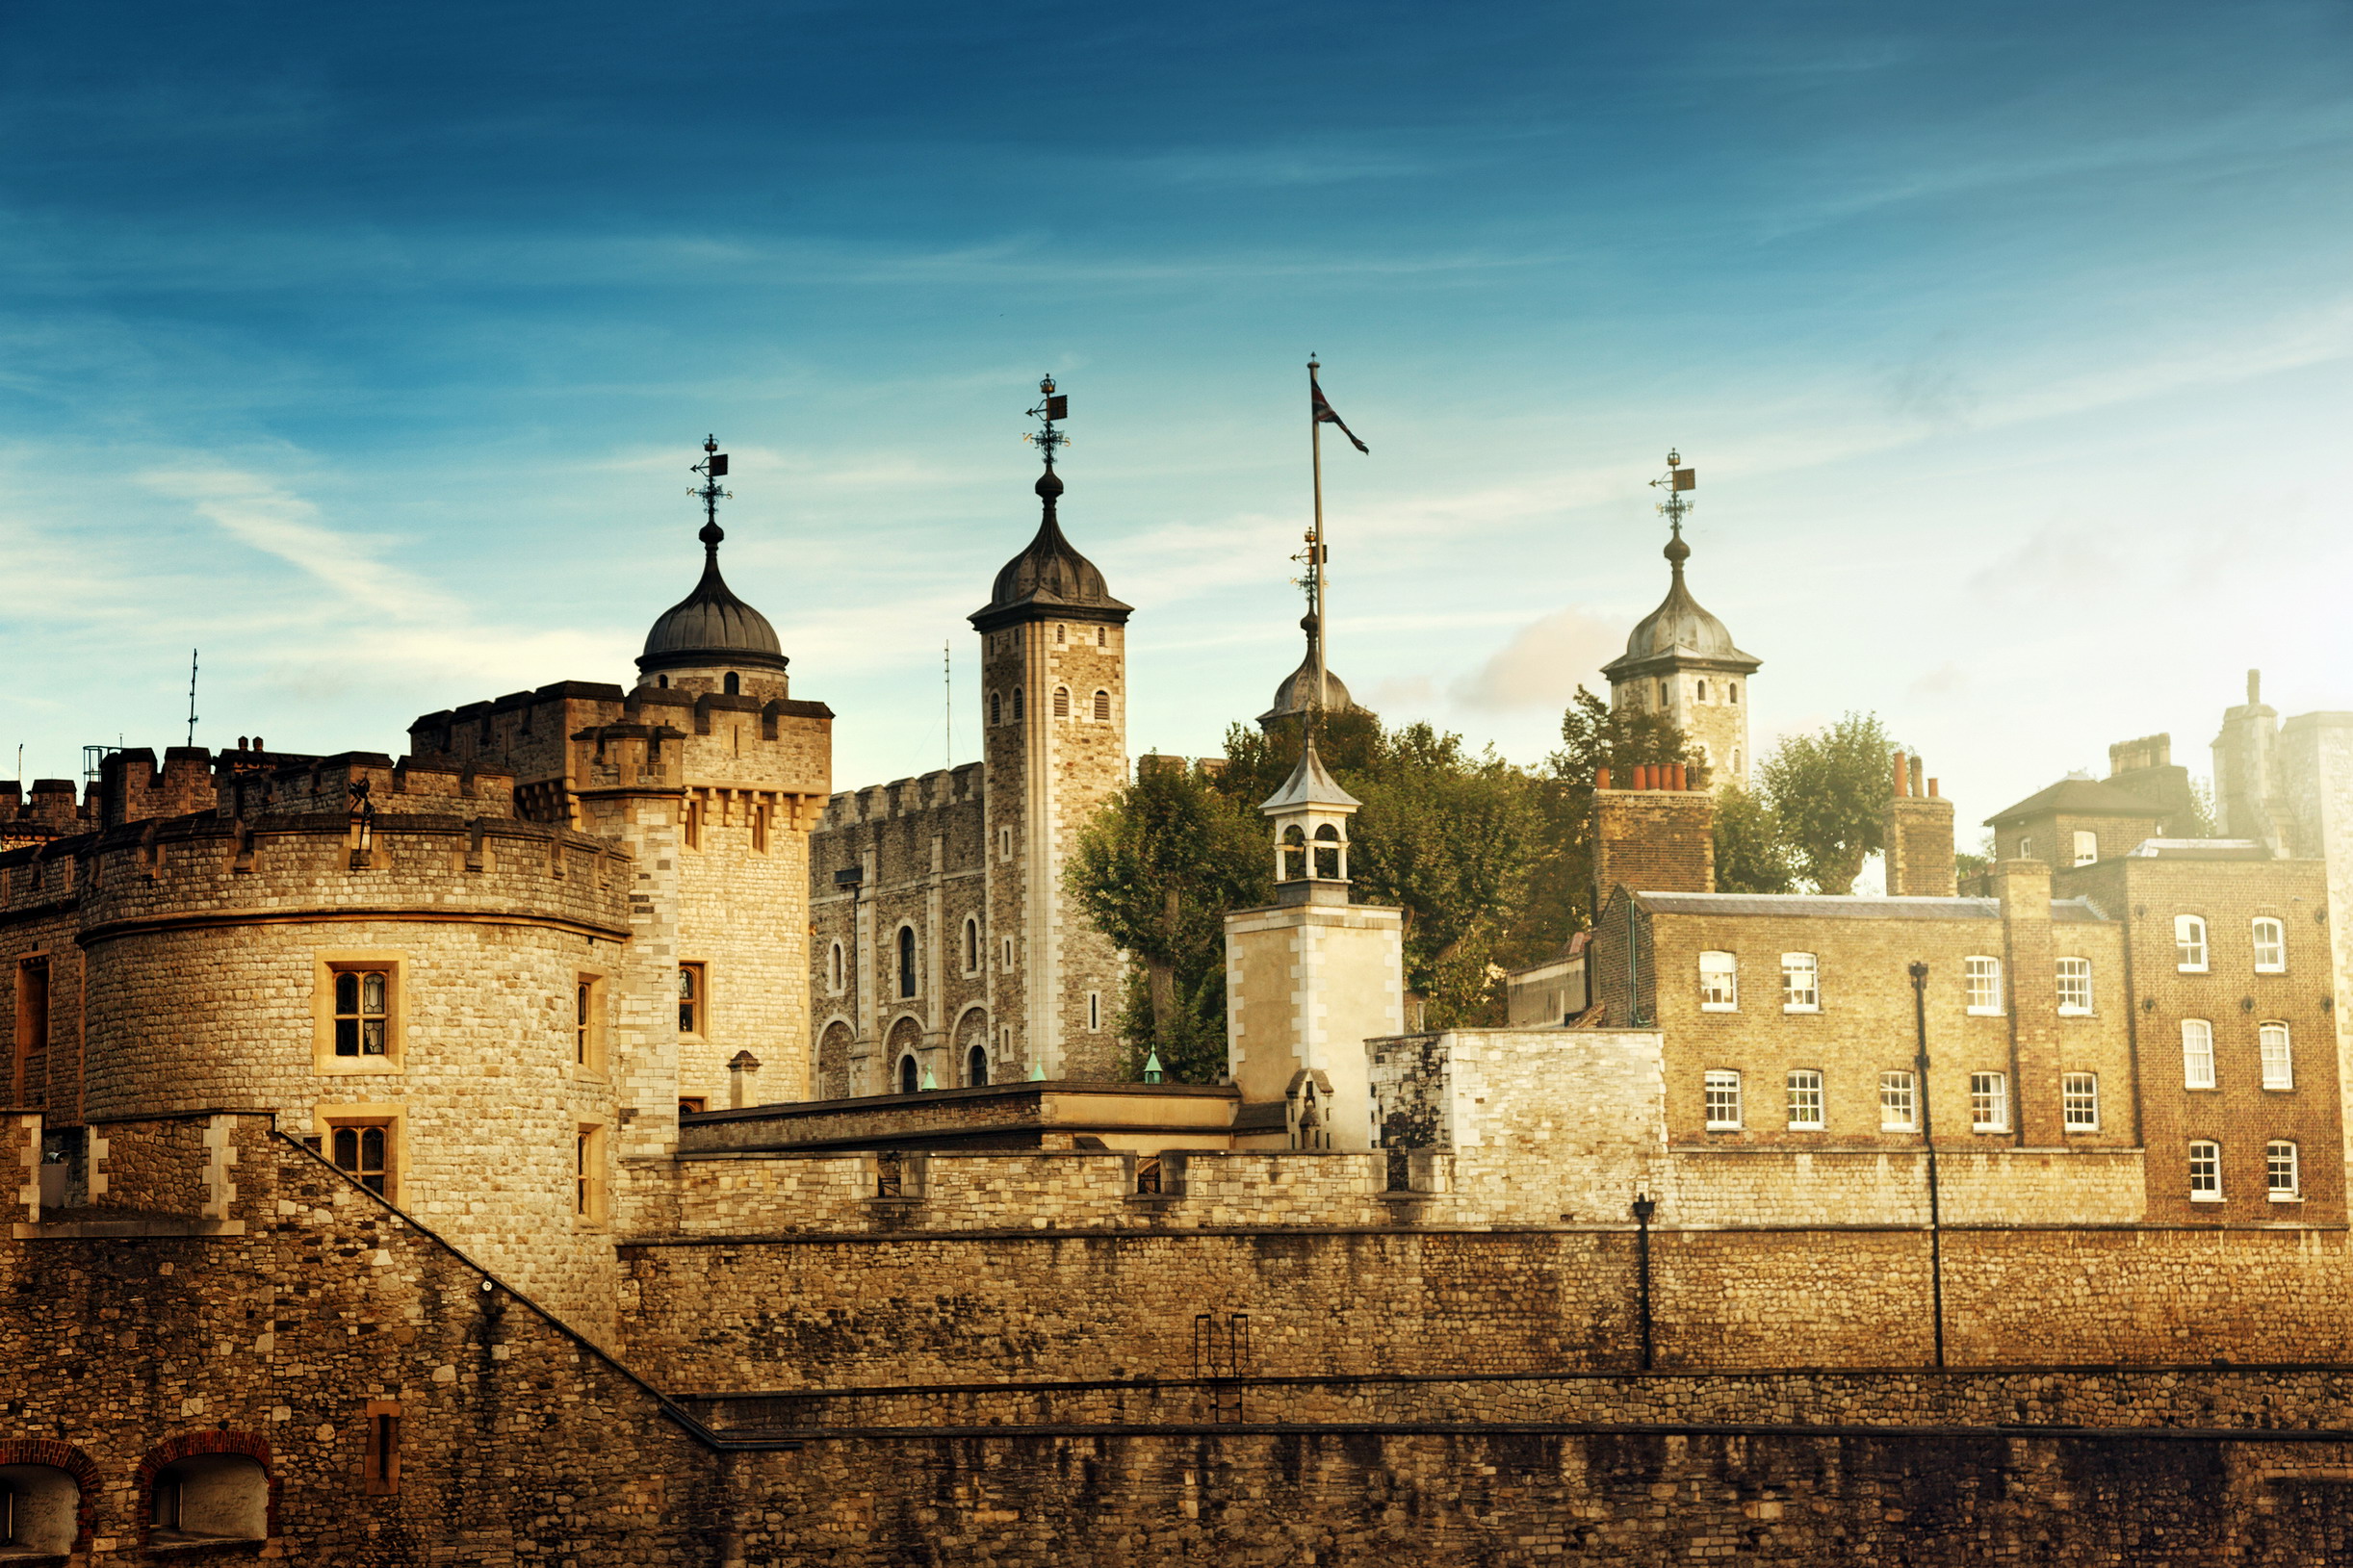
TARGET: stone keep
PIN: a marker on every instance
(948, 952)
(1311, 978)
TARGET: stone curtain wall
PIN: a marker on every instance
(916, 1306)
(1485, 1499)
(518, 1444)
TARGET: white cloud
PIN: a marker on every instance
(1543, 664)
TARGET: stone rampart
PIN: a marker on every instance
(917, 1305)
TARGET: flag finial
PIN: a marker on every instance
(712, 468)
(1674, 508)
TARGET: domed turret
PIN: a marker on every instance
(1682, 663)
(711, 626)
(1048, 576)
(1297, 695)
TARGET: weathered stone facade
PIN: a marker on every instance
(946, 951)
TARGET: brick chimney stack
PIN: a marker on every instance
(1657, 837)
(1919, 834)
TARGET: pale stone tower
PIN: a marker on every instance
(1054, 738)
(1681, 662)
(1310, 978)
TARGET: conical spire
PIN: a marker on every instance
(1309, 786)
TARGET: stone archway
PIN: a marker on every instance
(833, 1063)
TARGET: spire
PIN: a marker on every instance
(1309, 818)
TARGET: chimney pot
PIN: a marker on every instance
(1601, 778)
(1902, 778)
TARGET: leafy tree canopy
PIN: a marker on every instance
(1828, 793)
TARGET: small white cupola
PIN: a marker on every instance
(1309, 817)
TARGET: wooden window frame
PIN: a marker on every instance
(325, 966)
(2255, 938)
(2063, 978)
(1998, 1097)
(1811, 969)
(591, 1040)
(1722, 1086)
(2078, 1102)
(2208, 1152)
(327, 1120)
(1899, 1087)
(696, 1009)
(590, 1187)
(2293, 1191)
(1730, 1001)
(1971, 989)
(2190, 1061)
(2284, 1079)
(1805, 1090)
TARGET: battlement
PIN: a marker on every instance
(905, 797)
(336, 785)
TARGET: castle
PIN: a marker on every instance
(590, 1139)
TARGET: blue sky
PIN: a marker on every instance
(365, 348)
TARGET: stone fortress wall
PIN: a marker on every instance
(198, 964)
(924, 863)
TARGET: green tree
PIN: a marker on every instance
(1593, 735)
(1156, 869)
(1828, 792)
(1750, 856)
(1447, 836)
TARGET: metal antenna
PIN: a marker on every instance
(712, 468)
(948, 704)
(1675, 481)
(1051, 407)
(191, 696)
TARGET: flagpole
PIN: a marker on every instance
(1315, 548)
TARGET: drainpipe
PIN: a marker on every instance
(1645, 1206)
(1927, 1139)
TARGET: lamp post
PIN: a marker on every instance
(1927, 1139)
(1645, 1206)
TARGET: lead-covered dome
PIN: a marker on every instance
(1297, 693)
(1048, 576)
(1680, 626)
(711, 625)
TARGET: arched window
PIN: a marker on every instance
(906, 961)
(663, 681)
(909, 1079)
(1062, 701)
(2189, 943)
(208, 1497)
(1732, 691)
(1703, 688)
(40, 1507)
(2270, 945)
(1663, 694)
(1103, 707)
(977, 1066)
(971, 945)
(1327, 863)
(1102, 637)
(1017, 704)
(997, 709)
(733, 685)
(832, 967)
(1060, 635)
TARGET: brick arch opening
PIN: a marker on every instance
(43, 1519)
(220, 1466)
(971, 1038)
